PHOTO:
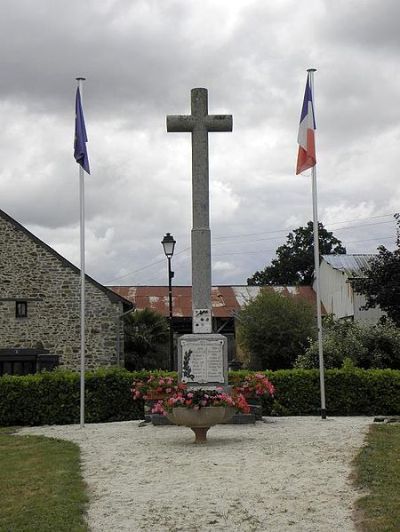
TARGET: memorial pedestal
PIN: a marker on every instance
(200, 420)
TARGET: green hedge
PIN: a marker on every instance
(349, 392)
(54, 398)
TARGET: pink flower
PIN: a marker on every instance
(158, 408)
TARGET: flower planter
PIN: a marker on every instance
(200, 420)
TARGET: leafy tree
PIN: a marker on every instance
(294, 264)
(381, 286)
(146, 340)
(368, 346)
(274, 330)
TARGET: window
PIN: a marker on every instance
(21, 309)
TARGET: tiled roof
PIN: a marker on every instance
(226, 300)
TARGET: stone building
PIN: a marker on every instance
(40, 308)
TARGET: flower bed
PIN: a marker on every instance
(162, 387)
(155, 387)
(169, 394)
(255, 385)
(197, 399)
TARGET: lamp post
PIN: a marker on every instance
(168, 243)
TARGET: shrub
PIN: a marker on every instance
(54, 398)
(383, 346)
(376, 346)
(146, 340)
(349, 392)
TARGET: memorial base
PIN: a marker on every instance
(242, 419)
(159, 419)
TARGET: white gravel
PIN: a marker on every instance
(283, 474)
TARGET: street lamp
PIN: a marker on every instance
(168, 243)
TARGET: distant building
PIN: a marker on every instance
(337, 294)
(40, 308)
(226, 302)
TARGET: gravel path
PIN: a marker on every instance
(283, 474)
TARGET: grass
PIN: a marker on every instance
(378, 472)
(41, 486)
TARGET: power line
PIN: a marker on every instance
(272, 250)
(264, 251)
(143, 268)
(290, 230)
(363, 225)
(147, 266)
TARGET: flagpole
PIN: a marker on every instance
(316, 269)
(82, 252)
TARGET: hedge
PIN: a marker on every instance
(349, 392)
(54, 398)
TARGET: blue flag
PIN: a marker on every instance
(80, 152)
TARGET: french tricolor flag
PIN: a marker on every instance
(306, 140)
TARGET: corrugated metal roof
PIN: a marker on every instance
(225, 300)
(351, 265)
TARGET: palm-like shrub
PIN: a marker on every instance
(146, 340)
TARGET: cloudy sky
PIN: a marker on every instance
(141, 58)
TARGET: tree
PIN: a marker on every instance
(274, 330)
(294, 264)
(146, 340)
(381, 286)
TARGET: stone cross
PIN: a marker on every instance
(199, 123)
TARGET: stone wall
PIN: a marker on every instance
(31, 271)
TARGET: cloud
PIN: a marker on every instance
(141, 58)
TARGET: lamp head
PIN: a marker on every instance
(168, 243)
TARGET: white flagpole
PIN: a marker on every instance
(82, 246)
(316, 269)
